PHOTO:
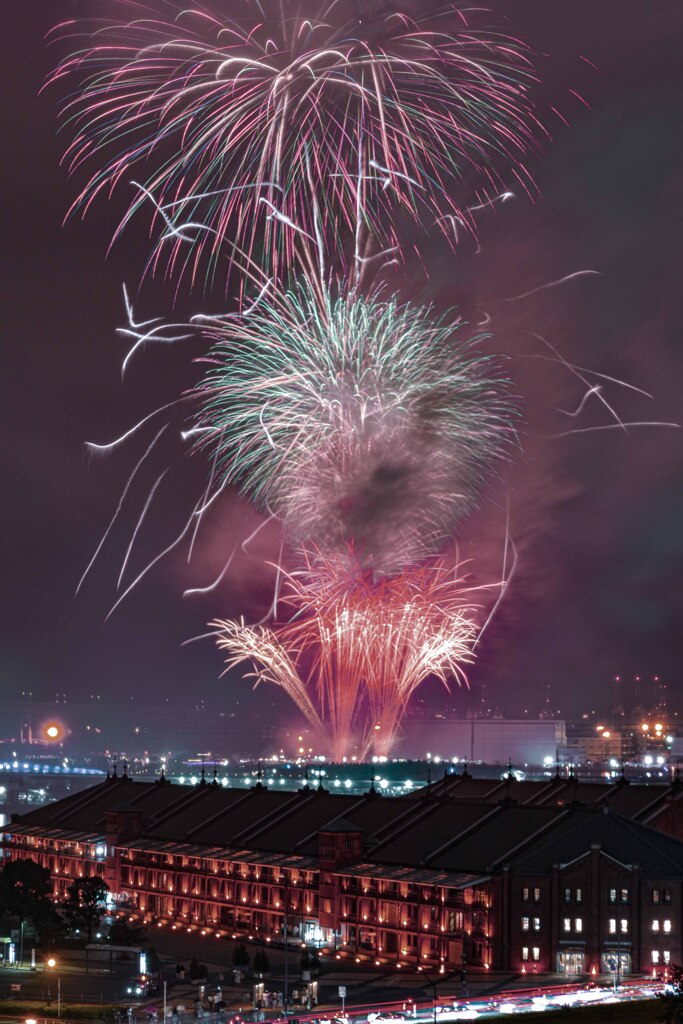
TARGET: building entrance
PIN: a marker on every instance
(571, 962)
(615, 963)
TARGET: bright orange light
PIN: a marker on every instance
(645, 727)
(53, 731)
(606, 734)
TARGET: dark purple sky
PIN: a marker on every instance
(597, 517)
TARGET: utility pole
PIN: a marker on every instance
(432, 983)
(286, 938)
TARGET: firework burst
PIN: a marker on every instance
(268, 131)
(363, 424)
(356, 649)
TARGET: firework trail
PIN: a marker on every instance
(358, 649)
(363, 424)
(262, 131)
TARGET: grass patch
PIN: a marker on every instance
(68, 1011)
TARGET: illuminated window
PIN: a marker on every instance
(525, 952)
(655, 926)
(579, 896)
(525, 924)
(666, 956)
(567, 924)
(655, 895)
(624, 895)
(567, 895)
(525, 894)
(537, 895)
(666, 895)
(536, 953)
(612, 925)
(537, 924)
(624, 925)
(655, 956)
(667, 926)
(578, 924)
(613, 895)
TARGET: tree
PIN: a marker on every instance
(25, 888)
(85, 902)
(121, 933)
(673, 997)
(261, 964)
(197, 969)
(240, 956)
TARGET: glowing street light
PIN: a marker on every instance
(52, 963)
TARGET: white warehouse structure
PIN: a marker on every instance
(489, 740)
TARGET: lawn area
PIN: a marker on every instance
(69, 1011)
(643, 1011)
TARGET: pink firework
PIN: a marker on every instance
(294, 136)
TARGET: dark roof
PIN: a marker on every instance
(573, 835)
(340, 825)
(435, 833)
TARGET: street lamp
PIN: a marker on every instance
(432, 983)
(52, 963)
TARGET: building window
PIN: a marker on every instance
(525, 895)
(667, 926)
(666, 956)
(666, 896)
(655, 926)
(624, 926)
(579, 896)
(567, 924)
(525, 952)
(567, 895)
(613, 895)
(655, 896)
(536, 953)
(537, 924)
(537, 895)
(655, 956)
(578, 924)
(525, 924)
(612, 925)
(624, 895)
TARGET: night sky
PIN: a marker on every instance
(597, 517)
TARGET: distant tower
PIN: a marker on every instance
(547, 709)
(483, 701)
(660, 695)
(617, 698)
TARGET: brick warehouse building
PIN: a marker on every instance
(555, 875)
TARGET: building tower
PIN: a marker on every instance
(617, 699)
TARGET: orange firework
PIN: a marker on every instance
(355, 649)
